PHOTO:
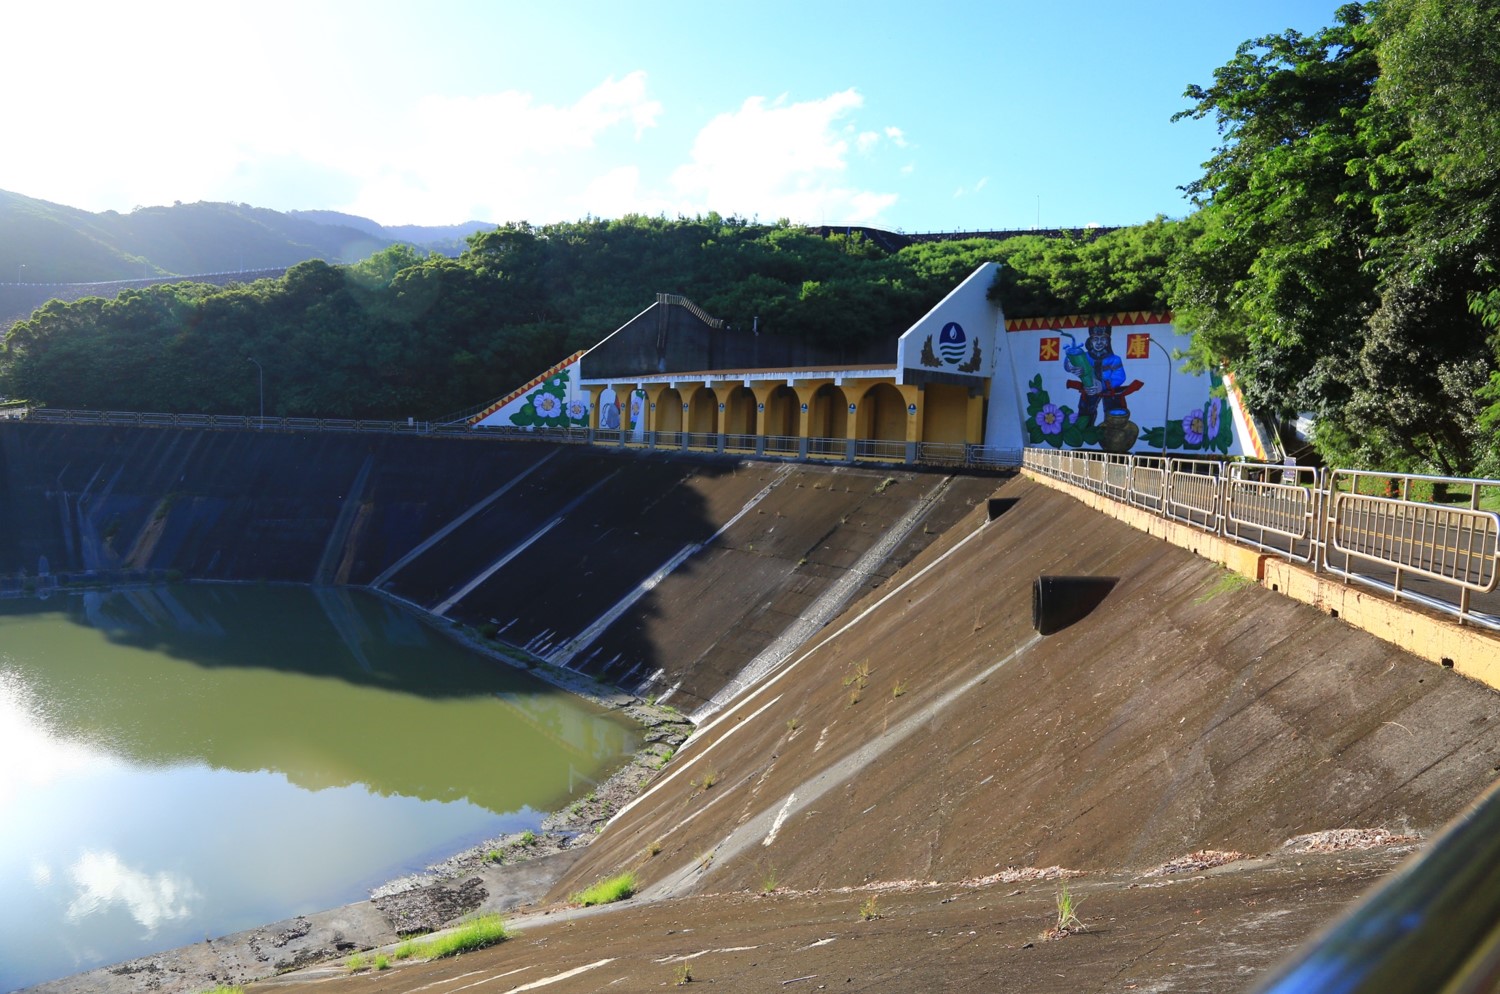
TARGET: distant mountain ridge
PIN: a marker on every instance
(50, 250)
(43, 242)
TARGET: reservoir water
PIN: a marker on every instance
(180, 763)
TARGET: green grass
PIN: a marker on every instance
(1067, 912)
(226, 989)
(356, 963)
(480, 933)
(382, 961)
(606, 891)
(528, 838)
(1228, 582)
(406, 950)
(870, 910)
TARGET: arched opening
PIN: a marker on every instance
(945, 413)
(882, 414)
(739, 413)
(828, 414)
(668, 413)
(783, 417)
(703, 412)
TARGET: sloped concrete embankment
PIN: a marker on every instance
(929, 734)
(664, 575)
(232, 505)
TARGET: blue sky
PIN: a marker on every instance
(915, 117)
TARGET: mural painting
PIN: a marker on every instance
(1100, 414)
(550, 406)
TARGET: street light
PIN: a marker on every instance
(1167, 411)
(262, 370)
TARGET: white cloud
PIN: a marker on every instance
(779, 159)
(897, 137)
(495, 157)
(102, 880)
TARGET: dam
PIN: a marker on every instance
(919, 744)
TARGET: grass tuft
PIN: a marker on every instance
(382, 961)
(606, 891)
(1068, 921)
(357, 963)
(684, 975)
(870, 910)
(478, 933)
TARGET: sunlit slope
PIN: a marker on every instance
(938, 737)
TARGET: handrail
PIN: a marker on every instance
(1414, 550)
(1432, 926)
(747, 445)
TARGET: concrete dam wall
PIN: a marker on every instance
(665, 575)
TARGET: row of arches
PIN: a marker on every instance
(880, 413)
(875, 411)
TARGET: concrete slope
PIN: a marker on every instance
(664, 574)
(232, 505)
(931, 734)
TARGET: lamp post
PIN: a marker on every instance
(262, 371)
(1166, 411)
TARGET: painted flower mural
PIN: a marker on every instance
(549, 406)
(1203, 429)
(1192, 427)
(1051, 418)
(1052, 424)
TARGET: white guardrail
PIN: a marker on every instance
(1424, 539)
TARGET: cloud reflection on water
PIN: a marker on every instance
(103, 880)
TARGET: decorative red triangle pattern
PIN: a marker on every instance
(535, 382)
(1122, 319)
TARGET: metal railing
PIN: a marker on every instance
(955, 454)
(1431, 926)
(1393, 532)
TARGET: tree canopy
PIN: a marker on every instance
(1343, 259)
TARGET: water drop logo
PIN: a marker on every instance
(953, 344)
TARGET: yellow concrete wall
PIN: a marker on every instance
(945, 413)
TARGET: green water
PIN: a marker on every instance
(186, 762)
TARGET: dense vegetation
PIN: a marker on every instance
(1341, 258)
(402, 334)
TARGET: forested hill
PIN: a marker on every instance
(406, 333)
